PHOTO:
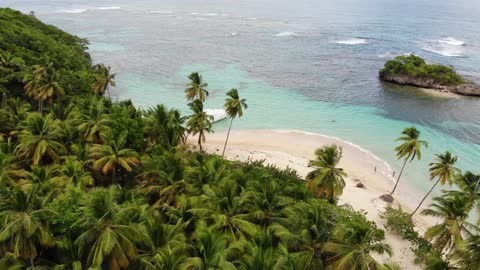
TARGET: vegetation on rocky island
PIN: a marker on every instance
(415, 67)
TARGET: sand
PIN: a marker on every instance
(289, 148)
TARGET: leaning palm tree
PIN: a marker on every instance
(352, 245)
(234, 107)
(200, 122)
(327, 180)
(444, 170)
(113, 155)
(103, 80)
(39, 138)
(196, 88)
(409, 149)
(24, 229)
(453, 210)
(110, 237)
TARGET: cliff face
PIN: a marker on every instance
(468, 88)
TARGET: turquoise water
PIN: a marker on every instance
(273, 107)
(305, 65)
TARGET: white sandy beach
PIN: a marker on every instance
(288, 148)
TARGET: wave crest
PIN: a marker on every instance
(352, 41)
(452, 41)
(285, 34)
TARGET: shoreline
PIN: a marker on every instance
(293, 148)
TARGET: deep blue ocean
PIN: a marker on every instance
(309, 65)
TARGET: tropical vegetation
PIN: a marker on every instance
(87, 183)
(416, 67)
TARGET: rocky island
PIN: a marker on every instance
(413, 70)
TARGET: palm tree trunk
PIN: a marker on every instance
(425, 197)
(40, 106)
(200, 141)
(31, 263)
(399, 175)
(228, 135)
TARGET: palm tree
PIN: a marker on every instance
(103, 80)
(353, 243)
(42, 84)
(444, 169)
(72, 171)
(453, 210)
(9, 170)
(469, 184)
(109, 240)
(164, 127)
(327, 180)
(234, 107)
(196, 88)
(409, 149)
(93, 121)
(112, 155)
(200, 122)
(40, 137)
(24, 229)
(469, 253)
(210, 251)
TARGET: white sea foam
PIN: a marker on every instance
(160, 11)
(448, 50)
(233, 34)
(73, 10)
(82, 10)
(352, 41)
(212, 14)
(452, 41)
(285, 34)
(194, 13)
(108, 8)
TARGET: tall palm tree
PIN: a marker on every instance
(409, 149)
(103, 80)
(110, 239)
(196, 88)
(327, 180)
(24, 228)
(40, 137)
(113, 155)
(352, 245)
(444, 170)
(200, 122)
(453, 210)
(234, 107)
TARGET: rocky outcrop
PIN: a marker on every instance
(468, 88)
